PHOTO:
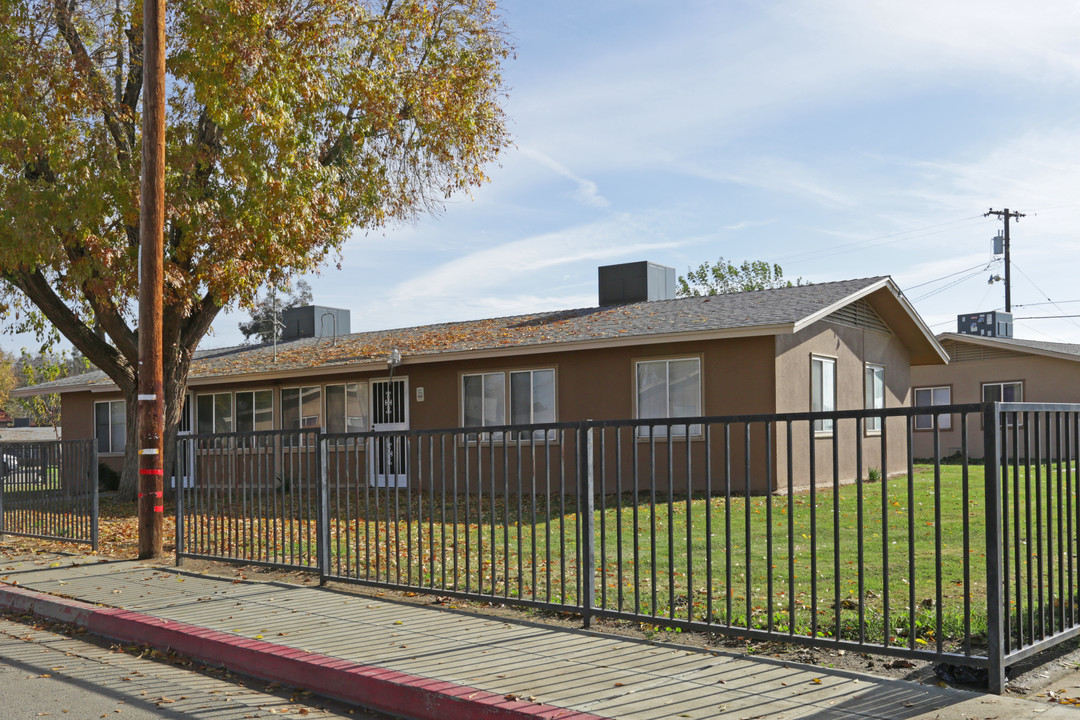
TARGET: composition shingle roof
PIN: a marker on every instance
(780, 308)
(1041, 346)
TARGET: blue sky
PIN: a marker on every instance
(841, 139)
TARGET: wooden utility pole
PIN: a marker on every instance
(151, 415)
(1008, 272)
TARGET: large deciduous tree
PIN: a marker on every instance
(291, 124)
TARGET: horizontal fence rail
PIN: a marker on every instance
(49, 490)
(842, 529)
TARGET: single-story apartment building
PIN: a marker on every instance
(986, 369)
(640, 353)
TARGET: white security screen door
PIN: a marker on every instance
(187, 464)
(389, 412)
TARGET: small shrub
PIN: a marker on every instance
(108, 479)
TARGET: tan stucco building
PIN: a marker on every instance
(984, 369)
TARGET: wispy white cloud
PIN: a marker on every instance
(587, 191)
(505, 265)
(776, 174)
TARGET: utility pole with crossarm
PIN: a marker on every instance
(1005, 214)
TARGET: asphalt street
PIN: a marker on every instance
(47, 674)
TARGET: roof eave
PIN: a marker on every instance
(464, 355)
(992, 342)
(936, 351)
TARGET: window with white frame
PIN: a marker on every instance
(346, 408)
(822, 390)
(874, 382)
(214, 413)
(1004, 392)
(530, 395)
(532, 398)
(929, 397)
(110, 426)
(254, 410)
(669, 388)
(301, 408)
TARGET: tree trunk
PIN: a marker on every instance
(129, 475)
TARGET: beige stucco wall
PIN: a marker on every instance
(852, 348)
(1045, 379)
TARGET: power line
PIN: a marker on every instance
(1028, 278)
(1051, 302)
(1046, 317)
(879, 240)
(950, 285)
(946, 277)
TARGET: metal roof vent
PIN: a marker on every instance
(635, 282)
(314, 321)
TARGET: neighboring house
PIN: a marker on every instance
(838, 345)
(984, 368)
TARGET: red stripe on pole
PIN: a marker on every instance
(159, 508)
(144, 471)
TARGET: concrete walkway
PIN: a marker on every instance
(427, 662)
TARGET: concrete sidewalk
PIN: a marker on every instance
(427, 662)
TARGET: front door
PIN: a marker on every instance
(389, 413)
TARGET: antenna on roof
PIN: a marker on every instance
(276, 326)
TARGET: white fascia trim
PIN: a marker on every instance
(847, 300)
(868, 290)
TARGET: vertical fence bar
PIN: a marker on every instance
(966, 520)
(813, 530)
(706, 431)
(670, 560)
(886, 620)
(95, 513)
(790, 527)
(586, 523)
(912, 625)
(178, 465)
(747, 529)
(995, 631)
(322, 521)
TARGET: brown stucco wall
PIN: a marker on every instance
(1045, 379)
(852, 348)
(77, 419)
(740, 376)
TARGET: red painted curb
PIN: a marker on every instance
(50, 607)
(373, 687)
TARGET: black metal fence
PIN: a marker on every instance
(249, 496)
(49, 490)
(813, 528)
